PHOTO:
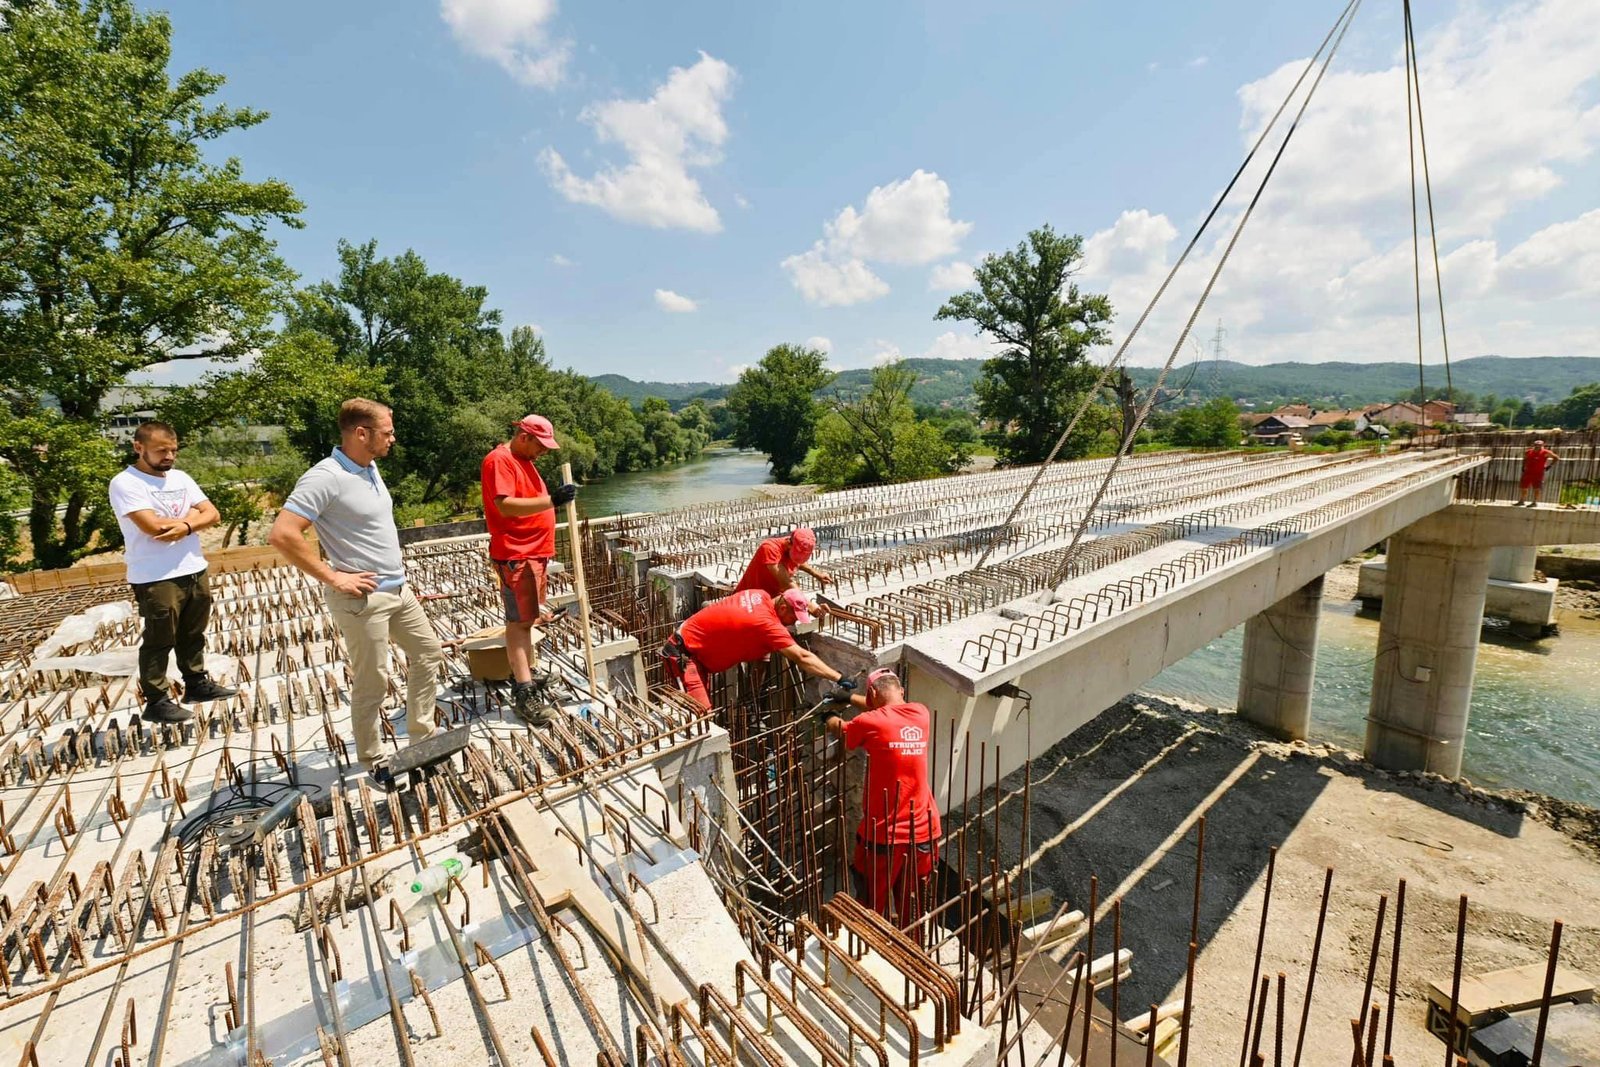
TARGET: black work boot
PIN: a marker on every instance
(201, 688)
(529, 702)
(165, 709)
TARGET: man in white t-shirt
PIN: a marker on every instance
(161, 511)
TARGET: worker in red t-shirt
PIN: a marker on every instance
(898, 837)
(742, 628)
(772, 568)
(1535, 461)
(520, 514)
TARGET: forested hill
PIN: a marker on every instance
(1541, 379)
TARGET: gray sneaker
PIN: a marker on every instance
(165, 709)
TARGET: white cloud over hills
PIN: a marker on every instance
(903, 223)
(667, 300)
(679, 128)
(1324, 269)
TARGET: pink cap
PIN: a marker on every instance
(540, 428)
(872, 683)
(797, 600)
(802, 542)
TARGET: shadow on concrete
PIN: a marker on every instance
(1166, 771)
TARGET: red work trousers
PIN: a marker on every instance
(688, 675)
(892, 876)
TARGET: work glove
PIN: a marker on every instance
(839, 694)
(563, 494)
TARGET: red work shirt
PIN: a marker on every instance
(757, 575)
(516, 536)
(1534, 462)
(897, 798)
(734, 630)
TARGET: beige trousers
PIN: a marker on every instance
(368, 624)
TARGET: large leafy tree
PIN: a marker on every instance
(1025, 300)
(775, 405)
(877, 436)
(121, 244)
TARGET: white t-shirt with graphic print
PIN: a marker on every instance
(170, 497)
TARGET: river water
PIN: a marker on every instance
(1535, 720)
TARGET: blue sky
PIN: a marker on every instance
(666, 190)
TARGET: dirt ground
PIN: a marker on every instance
(1118, 800)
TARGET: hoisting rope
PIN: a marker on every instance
(1414, 89)
(1116, 359)
(1070, 558)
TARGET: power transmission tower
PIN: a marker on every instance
(1216, 360)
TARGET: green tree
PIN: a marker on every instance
(877, 437)
(240, 478)
(776, 407)
(1579, 407)
(1214, 424)
(1024, 300)
(124, 247)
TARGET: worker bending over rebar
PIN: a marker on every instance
(897, 841)
(779, 559)
(742, 628)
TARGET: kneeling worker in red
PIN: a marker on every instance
(741, 628)
(897, 841)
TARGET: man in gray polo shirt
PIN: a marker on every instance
(364, 580)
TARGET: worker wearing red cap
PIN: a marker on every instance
(520, 514)
(773, 567)
(747, 626)
(899, 833)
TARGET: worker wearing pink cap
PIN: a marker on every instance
(743, 628)
(897, 841)
(772, 568)
(520, 513)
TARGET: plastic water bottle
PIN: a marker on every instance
(435, 878)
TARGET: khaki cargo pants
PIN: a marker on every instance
(368, 624)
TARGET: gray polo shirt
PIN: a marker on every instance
(354, 518)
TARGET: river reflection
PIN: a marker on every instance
(1535, 720)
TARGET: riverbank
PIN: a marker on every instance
(1117, 799)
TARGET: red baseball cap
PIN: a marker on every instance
(799, 602)
(802, 542)
(540, 428)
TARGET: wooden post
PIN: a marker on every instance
(577, 581)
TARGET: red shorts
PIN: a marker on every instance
(522, 586)
(1531, 480)
(888, 875)
(689, 676)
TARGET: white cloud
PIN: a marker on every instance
(886, 352)
(677, 129)
(736, 370)
(667, 300)
(1324, 270)
(1199, 61)
(904, 222)
(950, 277)
(951, 345)
(513, 33)
(828, 283)
(560, 260)
(821, 344)
(740, 201)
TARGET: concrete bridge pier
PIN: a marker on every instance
(1280, 660)
(1427, 650)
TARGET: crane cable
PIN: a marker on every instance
(1414, 140)
(1070, 558)
(1105, 372)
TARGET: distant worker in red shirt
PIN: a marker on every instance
(772, 568)
(520, 513)
(897, 840)
(741, 628)
(1535, 461)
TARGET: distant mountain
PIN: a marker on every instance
(675, 393)
(950, 382)
(1541, 379)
